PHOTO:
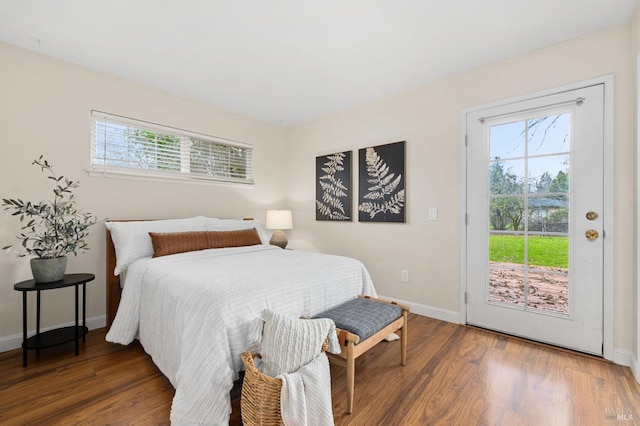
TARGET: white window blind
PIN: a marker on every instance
(125, 146)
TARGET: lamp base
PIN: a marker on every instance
(278, 238)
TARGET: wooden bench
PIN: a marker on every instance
(361, 324)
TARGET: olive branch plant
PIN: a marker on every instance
(53, 228)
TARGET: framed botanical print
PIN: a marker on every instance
(381, 183)
(333, 187)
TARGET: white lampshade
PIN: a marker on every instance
(279, 219)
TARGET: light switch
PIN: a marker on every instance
(433, 213)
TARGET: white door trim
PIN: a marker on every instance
(635, 362)
(608, 306)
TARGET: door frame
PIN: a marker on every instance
(608, 228)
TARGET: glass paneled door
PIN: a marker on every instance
(534, 205)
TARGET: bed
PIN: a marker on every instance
(195, 312)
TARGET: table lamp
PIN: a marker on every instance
(278, 220)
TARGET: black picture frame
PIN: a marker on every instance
(333, 187)
(381, 183)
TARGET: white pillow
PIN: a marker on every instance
(290, 343)
(132, 241)
(213, 224)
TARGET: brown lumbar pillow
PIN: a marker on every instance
(180, 242)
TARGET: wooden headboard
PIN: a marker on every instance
(113, 282)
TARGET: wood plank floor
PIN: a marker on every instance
(455, 375)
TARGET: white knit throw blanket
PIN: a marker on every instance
(305, 398)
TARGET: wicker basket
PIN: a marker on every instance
(260, 399)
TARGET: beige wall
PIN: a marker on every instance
(429, 118)
(45, 108)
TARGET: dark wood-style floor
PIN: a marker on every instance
(455, 375)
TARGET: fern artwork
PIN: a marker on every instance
(381, 183)
(333, 187)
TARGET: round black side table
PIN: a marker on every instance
(59, 335)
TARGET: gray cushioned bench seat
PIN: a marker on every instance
(363, 317)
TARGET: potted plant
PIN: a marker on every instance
(53, 229)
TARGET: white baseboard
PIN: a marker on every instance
(622, 357)
(14, 342)
(635, 367)
(626, 358)
(428, 311)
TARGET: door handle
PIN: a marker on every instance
(592, 235)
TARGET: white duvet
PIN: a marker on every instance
(195, 313)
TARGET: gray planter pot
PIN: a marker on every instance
(48, 270)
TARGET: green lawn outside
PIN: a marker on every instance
(543, 250)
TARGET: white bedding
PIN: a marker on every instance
(195, 313)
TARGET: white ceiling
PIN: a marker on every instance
(288, 61)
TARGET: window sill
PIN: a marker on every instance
(113, 174)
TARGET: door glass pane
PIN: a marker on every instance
(549, 213)
(529, 214)
(544, 251)
(506, 248)
(506, 213)
(548, 291)
(507, 285)
(507, 140)
(548, 174)
(548, 134)
(507, 177)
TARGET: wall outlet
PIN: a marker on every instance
(404, 276)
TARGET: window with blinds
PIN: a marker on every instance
(125, 146)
